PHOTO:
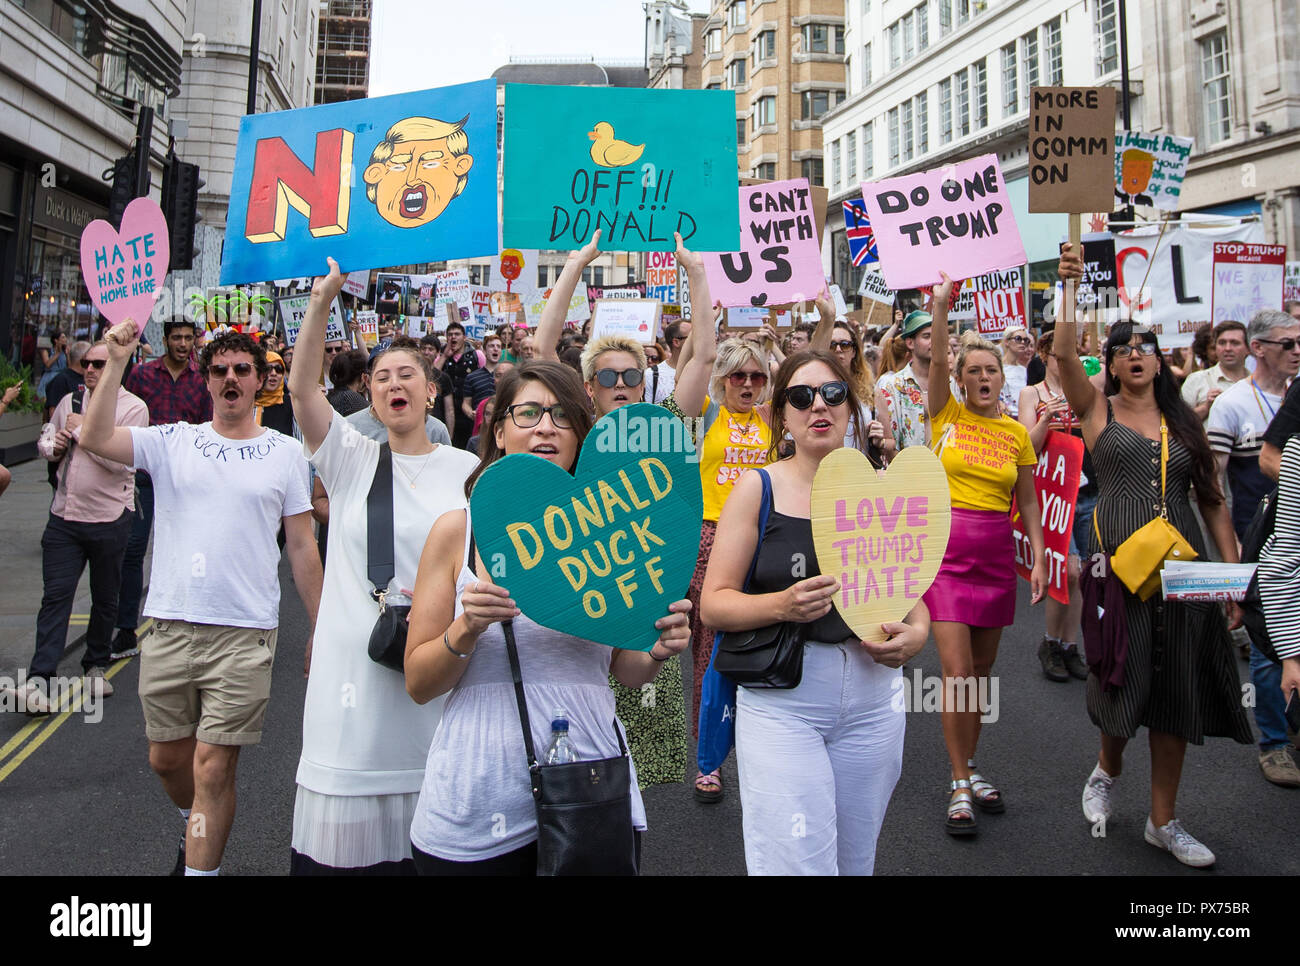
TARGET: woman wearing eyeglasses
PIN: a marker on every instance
(476, 814)
(364, 742)
(1177, 678)
(817, 762)
(989, 459)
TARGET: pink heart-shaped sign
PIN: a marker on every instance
(124, 270)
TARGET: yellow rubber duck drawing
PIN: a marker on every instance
(610, 152)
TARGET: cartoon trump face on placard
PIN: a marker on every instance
(417, 169)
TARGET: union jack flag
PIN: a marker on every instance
(862, 240)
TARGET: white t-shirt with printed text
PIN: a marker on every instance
(217, 509)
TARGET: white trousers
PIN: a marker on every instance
(818, 764)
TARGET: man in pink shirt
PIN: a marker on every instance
(90, 521)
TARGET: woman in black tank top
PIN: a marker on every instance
(831, 748)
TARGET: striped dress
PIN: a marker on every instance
(1180, 678)
(1279, 561)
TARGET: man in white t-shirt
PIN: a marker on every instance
(1204, 386)
(222, 489)
(661, 378)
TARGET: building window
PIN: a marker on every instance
(895, 45)
(1216, 87)
(907, 130)
(541, 277)
(963, 12)
(740, 130)
(1028, 63)
(893, 138)
(598, 274)
(866, 66)
(736, 72)
(766, 171)
(835, 166)
(586, 276)
(1010, 83)
(909, 37)
(765, 46)
(738, 14)
(945, 110)
(963, 103)
(713, 42)
(868, 152)
(980, 81)
(815, 104)
(765, 111)
(851, 157)
(945, 17)
(811, 168)
(1055, 68)
(922, 107)
(816, 38)
(1105, 28)
(713, 85)
(922, 26)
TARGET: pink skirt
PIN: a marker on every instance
(976, 584)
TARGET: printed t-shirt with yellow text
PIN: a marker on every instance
(733, 444)
(982, 456)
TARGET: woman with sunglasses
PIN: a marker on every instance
(830, 750)
(364, 742)
(476, 813)
(1178, 677)
(614, 372)
(989, 459)
(848, 353)
(1017, 353)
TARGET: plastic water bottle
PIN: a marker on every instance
(560, 750)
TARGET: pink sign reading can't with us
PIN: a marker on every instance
(124, 270)
(780, 252)
(956, 219)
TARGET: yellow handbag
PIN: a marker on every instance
(1137, 560)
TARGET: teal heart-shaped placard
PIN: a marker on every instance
(602, 553)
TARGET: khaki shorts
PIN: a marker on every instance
(206, 680)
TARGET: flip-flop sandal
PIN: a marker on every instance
(961, 816)
(987, 797)
(708, 788)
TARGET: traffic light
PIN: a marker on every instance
(180, 201)
(123, 190)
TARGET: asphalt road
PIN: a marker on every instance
(78, 798)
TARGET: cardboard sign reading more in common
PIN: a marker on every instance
(637, 164)
(634, 318)
(1071, 144)
(602, 553)
(779, 259)
(955, 219)
(124, 270)
(882, 539)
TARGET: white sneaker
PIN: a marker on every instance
(1176, 839)
(99, 684)
(1096, 796)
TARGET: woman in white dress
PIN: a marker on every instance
(364, 741)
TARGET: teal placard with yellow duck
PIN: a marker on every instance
(637, 164)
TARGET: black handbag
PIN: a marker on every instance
(765, 657)
(388, 637)
(584, 808)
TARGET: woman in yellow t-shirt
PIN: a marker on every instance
(989, 458)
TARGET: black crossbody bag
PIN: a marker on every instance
(388, 637)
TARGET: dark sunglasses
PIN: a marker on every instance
(330, 350)
(803, 397)
(276, 367)
(1019, 339)
(528, 415)
(745, 378)
(842, 344)
(1144, 348)
(609, 377)
(218, 371)
(97, 363)
(1288, 345)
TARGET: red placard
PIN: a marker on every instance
(1056, 481)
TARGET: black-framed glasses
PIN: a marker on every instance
(276, 367)
(842, 343)
(1144, 348)
(609, 377)
(96, 363)
(802, 397)
(217, 370)
(1288, 345)
(528, 415)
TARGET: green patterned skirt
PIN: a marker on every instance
(655, 720)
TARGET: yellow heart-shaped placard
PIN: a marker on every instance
(884, 538)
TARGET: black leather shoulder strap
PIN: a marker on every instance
(379, 523)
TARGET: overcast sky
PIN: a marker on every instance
(418, 44)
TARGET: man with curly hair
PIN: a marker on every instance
(222, 489)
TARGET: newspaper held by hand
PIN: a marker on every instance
(1205, 580)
